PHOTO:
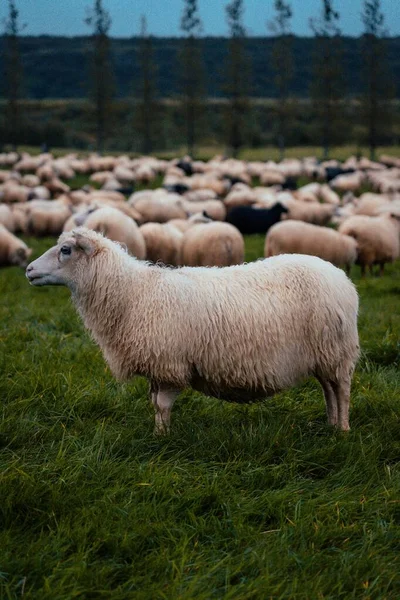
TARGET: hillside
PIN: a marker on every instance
(58, 67)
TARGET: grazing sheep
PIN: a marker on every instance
(12, 192)
(13, 251)
(56, 186)
(377, 239)
(308, 193)
(112, 223)
(328, 196)
(47, 219)
(199, 195)
(240, 195)
(369, 204)
(212, 245)
(310, 212)
(350, 182)
(158, 207)
(297, 237)
(240, 333)
(271, 176)
(163, 243)
(255, 220)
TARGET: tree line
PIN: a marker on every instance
(327, 90)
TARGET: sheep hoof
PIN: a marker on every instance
(160, 430)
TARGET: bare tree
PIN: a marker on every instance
(328, 86)
(379, 90)
(237, 76)
(282, 60)
(102, 79)
(13, 72)
(192, 70)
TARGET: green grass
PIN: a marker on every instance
(241, 502)
(264, 153)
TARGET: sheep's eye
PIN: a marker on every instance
(65, 250)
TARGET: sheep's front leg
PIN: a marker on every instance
(163, 401)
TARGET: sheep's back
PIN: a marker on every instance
(269, 324)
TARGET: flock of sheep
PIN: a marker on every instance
(199, 214)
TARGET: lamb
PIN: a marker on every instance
(255, 220)
(303, 238)
(212, 245)
(240, 333)
(13, 251)
(118, 227)
(377, 239)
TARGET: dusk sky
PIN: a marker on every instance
(65, 17)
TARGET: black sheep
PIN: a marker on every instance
(186, 166)
(176, 188)
(255, 220)
(332, 172)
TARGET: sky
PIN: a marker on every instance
(65, 17)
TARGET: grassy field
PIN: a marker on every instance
(238, 502)
(264, 153)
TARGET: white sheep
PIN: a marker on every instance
(158, 206)
(310, 212)
(212, 245)
(185, 224)
(163, 243)
(215, 209)
(240, 333)
(118, 227)
(296, 237)
(48, 218)
(348, 182)
(369, 204)
(377, 239)
(13, 251)
(328, 196)
(7, 218)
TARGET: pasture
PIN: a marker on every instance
(261, 501)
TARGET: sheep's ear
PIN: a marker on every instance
(88, 246)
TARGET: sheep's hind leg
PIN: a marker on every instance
(330, 401)
(342, 393)
(163, 401)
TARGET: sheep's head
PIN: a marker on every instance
(19, 257)
(67, 262)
